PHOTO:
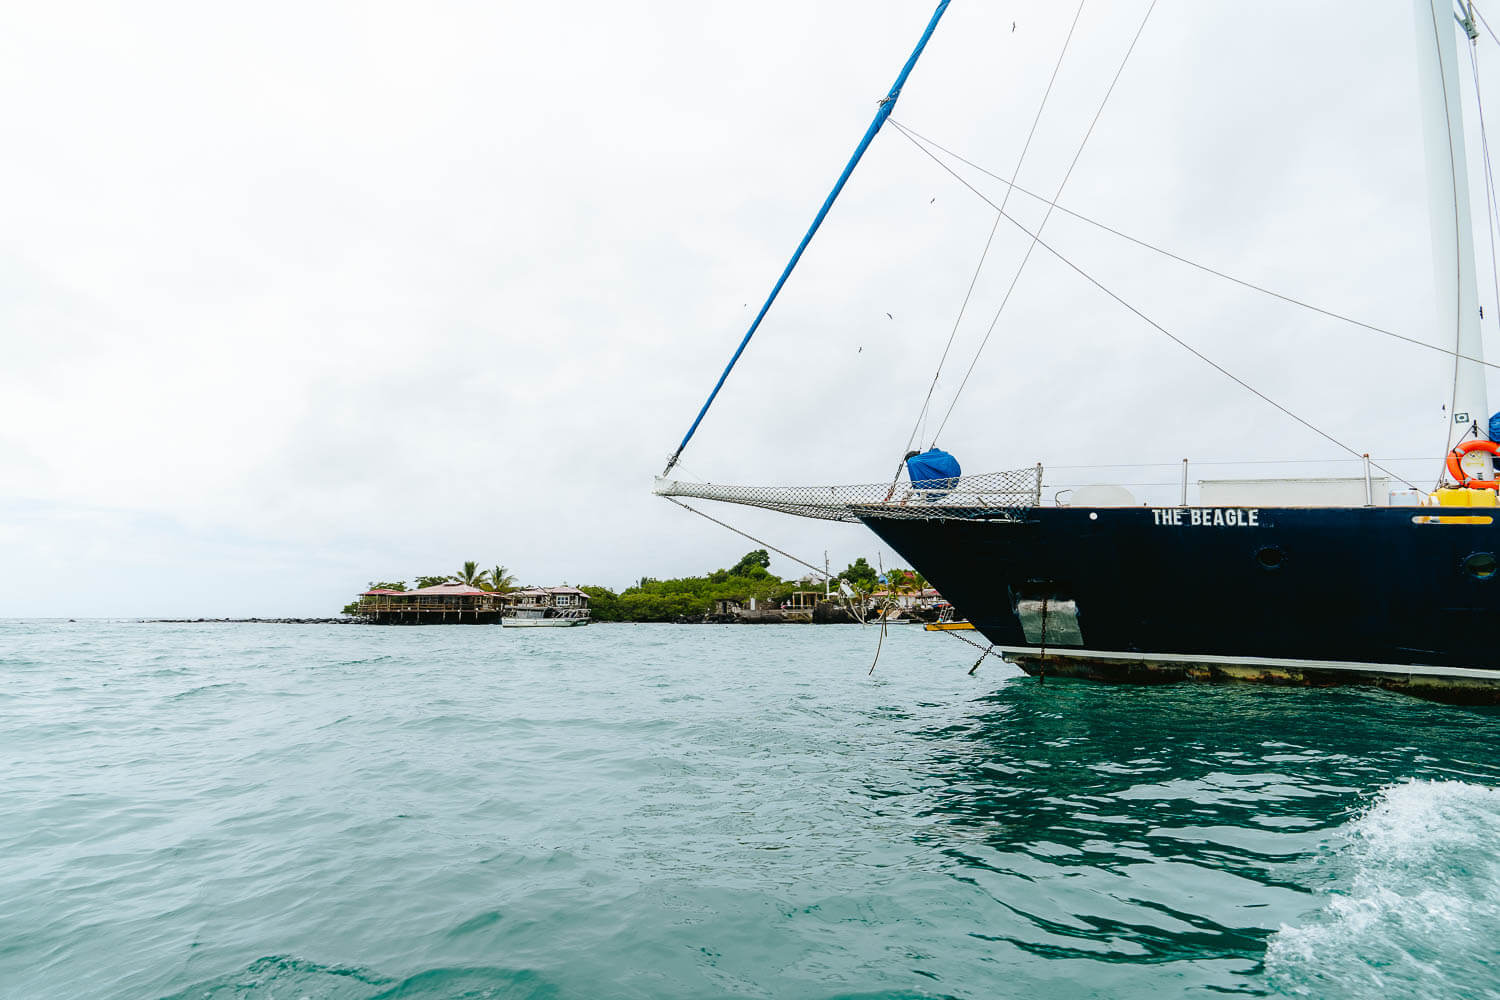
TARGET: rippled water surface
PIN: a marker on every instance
(283, 811)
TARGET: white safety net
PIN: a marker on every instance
(991, 495)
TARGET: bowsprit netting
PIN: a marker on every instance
(989, 496)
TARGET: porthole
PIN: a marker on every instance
(1270, 557)
(1481, 565)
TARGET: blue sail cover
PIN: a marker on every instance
(1495, 427)
(933, 470)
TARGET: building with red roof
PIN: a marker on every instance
(455, 603)
(451, 603)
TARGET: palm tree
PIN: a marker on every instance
(501, 581)
(897, 583)
(472, 575)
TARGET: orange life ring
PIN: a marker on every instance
(1456, 471)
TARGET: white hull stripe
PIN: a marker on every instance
(1426, 670)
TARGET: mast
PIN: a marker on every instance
(1457, 318)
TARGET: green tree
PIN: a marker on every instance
(897, 583)
(471, 574)
(652, 600)
(604, 604)
(861, 574)
(501, 580)
(431, 581)
(750, 561)
(637, 606)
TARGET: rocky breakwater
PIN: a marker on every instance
(255, 621)
(833, 613)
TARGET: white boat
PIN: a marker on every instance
(548, 618)
(545, 607)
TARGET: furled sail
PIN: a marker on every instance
(1457, 317)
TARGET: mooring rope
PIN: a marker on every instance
(878, 646)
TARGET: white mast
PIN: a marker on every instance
(1457, 317)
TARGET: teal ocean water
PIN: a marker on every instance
(281, 811)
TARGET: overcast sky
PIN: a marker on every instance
(299, 296)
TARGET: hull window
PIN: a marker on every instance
(1270, 557)
(1481, 565)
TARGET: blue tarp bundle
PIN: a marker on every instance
(1495, 427)
(935, 470)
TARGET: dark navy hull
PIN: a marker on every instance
(1289, 595)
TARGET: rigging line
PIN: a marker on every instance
(1479, 14)
(1458, 291)
(912, 134)
(1247, 461)
(1170, 483)
(921, 421)
(1489, 172)
(1025, 147)
(1015, 279)
(882, 112)
(757, 541)
(1494, 213)
(1161, 329)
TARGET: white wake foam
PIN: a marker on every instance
(1414, 908)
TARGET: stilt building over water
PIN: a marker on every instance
(455, 603)
(449, 603)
